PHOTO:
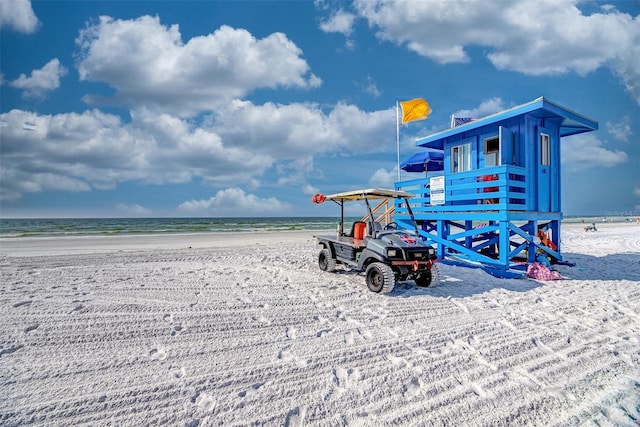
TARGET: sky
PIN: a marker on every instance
(248, 108)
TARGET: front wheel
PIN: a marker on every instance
(380, 278)
(326, 262)
(429, 277)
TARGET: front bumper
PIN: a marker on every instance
(415, 265)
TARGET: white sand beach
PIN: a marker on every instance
(198, 330)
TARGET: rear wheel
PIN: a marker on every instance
(380, 278)
(326, 262)
(429, 277)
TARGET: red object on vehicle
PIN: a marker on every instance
(318, 198)
(358, 230)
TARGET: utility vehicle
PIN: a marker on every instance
(386, 253)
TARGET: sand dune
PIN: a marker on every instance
(251, 332)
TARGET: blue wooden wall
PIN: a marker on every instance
(523, 197)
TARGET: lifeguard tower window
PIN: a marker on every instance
(492, 151)
(545, 149)
(461, 158)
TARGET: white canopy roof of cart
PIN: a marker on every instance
(370, 193)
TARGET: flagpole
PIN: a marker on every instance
(398, 137)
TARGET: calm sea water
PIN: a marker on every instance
(58, 227)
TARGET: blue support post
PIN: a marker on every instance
(504, 247)
(508, 198)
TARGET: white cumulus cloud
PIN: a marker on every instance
(42, 80)
(339, 22)
(133, 210)
(310, 189)
(383, 178)
(235, 147)
(234, 202)
(94, 150)
(18, 15)
(486, 108)
(586, 150)
(527, 36)
(296, 130)
(150, 65)
(620, 130)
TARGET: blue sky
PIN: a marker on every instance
(243, 108)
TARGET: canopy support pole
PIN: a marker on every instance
(398, 137)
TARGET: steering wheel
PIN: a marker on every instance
(391, 226)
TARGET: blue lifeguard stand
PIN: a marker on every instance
(497, 200)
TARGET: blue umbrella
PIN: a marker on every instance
(424, 161)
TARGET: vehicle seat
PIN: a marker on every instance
(359, 228)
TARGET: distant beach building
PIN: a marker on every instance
(497, 198)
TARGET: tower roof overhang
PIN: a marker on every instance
(570, 122)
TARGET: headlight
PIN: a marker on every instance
(392, 253)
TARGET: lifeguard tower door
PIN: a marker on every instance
(544, 170)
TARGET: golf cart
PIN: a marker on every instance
(385, 253)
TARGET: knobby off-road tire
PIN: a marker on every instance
(326, 262)
(380, 278)
(428, 278)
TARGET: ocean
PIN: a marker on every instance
(61, 227)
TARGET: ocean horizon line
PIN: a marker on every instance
(61, 227)
(108, 226)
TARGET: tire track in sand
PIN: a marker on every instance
(190, 337)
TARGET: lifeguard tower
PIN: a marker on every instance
(496, 202)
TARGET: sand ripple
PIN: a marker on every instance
(260, 336)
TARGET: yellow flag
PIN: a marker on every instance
(415, 109)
